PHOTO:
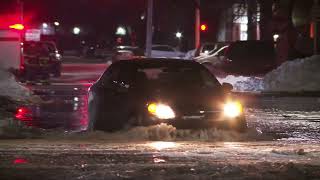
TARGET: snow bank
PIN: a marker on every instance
(292, 76)
(10, 87)
(295, 76)
(243, 84)
(161, 132)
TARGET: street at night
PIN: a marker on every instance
(160, 89)
(282, 141)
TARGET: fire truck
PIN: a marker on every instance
(23, 52)
(11, 48)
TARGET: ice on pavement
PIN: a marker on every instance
(146, 160)
(295, 76)
(243, 83)
(10, 87)
(161, 132)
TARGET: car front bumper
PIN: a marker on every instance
(238, 123)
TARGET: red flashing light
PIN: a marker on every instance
(20, 161)
(17, 27)
(204, 27)
(23, 114)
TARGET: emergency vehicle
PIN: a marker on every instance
(23, 52)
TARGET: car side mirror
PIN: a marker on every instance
(227, 87)
(122, 88)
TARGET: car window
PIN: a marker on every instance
(110, 75)
(50, 47)
(36, 49)
(126, 75)
(162, 48)
(179, 77)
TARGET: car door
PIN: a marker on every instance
(116, 94)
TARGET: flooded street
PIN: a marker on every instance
(280, 117)
(96, 159)
(283, 142)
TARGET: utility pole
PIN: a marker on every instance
(197, 24)
(149, 29)
(315, 14)
(20, 6)
(252, 10)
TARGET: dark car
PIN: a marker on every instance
(249, 58)
(41, 58)
(148, 92)
(126, 53)
(242, 58)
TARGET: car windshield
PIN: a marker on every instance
(37, 48)
(162, 48)
(184, 77)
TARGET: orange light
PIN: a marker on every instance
(203, 27)
(17, 26)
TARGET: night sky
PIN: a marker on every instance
(101, 17)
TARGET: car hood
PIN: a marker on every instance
(190, 100)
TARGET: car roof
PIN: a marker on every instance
(161, 45)
(145, 62)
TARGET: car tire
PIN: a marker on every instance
(242, 126)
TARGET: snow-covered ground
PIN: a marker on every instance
(292, 76)
(74, 159)
(243, 84)
(295, 76)
(10, 87)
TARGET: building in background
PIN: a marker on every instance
(235, 24)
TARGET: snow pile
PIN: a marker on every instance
(10, 87)
(295, 76)
(161, 132)
(242, 83)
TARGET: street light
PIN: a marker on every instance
(56, 23)
(45, 25)
(276, 37)
(76, 30)
(179, 35)
(121, 31)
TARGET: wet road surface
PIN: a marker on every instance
(84, 159)
(283, 142)
(277, 116)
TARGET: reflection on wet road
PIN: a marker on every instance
(65, 108)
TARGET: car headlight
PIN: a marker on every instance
(161, 111)
(58, 56)
(232, 109)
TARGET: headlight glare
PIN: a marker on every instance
(232, 109)
(161, 111)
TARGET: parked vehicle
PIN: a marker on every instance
(241, 58)
(126, 53)
(165, 51)
(250, 58)
(214, 58)
(41, 58)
